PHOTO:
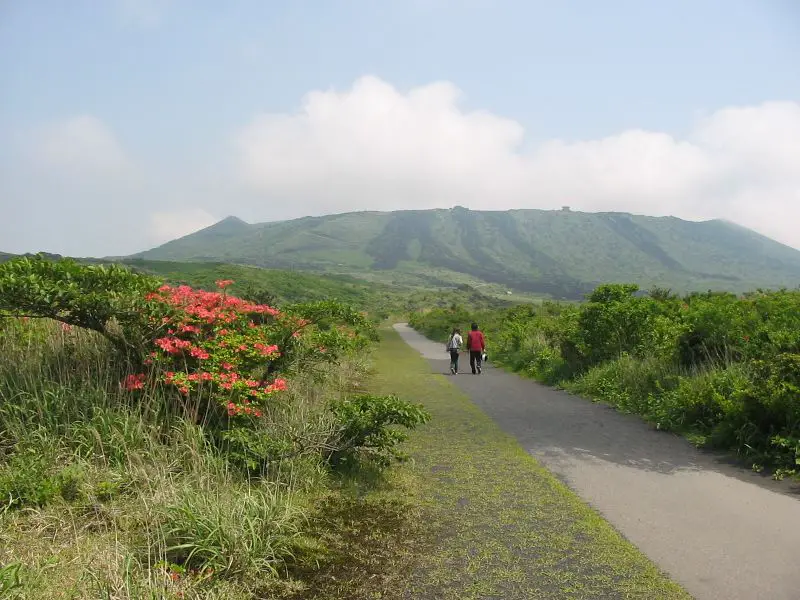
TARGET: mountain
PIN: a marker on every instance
(557, 253)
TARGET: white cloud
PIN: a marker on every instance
(165, 226)
(374, 147)
(79, 147)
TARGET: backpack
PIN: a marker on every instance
(450, 343)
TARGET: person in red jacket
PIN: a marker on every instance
(476, 344)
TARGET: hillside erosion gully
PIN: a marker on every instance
(721, 531)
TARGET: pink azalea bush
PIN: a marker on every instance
(216, 347)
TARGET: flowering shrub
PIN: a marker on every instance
(218, 360)
(217, 349)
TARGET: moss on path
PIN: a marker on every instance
(500, 525)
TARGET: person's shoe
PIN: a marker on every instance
(479, 370)
(452, 371)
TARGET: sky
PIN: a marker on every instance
(126, 123)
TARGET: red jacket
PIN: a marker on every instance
(475, 341)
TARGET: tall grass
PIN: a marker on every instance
(103, 497)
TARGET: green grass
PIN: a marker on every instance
(500, 525)
(105, 498)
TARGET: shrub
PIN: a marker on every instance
(367, 428)
(722, 368)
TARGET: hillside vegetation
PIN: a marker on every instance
(562, 254)
(166, 442)
(273, 285)
(721, 369)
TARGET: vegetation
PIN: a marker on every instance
(270, 285)
(498, 524)
(721, 369)
(561, 254)
(167, 442)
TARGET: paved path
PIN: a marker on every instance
(722, 532)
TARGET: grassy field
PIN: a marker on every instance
(498, 524)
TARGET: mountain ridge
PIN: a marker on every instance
(561, 253)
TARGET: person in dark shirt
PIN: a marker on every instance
(476, 344)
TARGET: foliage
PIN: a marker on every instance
(722, 368)
(366, 427)
(185, 457)
(560, 254)
(106, 299)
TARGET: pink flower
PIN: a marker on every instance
(264, 349)
(227, 366)
(199, 353)
(223, 283)
(134, 382)
(66, 327)
(279, 385)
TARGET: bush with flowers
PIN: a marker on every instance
(224, 362)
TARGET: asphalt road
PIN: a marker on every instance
(721, 531)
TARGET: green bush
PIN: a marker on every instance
(368, 428)
(717, 367)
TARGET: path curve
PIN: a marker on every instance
(720, 532)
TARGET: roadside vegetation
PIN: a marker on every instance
(161, 441)
(721, 369)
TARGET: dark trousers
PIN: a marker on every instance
(454, 360)
(475, 359)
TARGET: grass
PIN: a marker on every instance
(500, 525)
(113, 499)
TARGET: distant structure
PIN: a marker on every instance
(565, 209)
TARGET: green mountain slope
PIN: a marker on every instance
(558, 253)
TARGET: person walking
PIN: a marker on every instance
(476, 344)
(454, 347)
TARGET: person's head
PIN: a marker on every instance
(474, 327)
(455, 331)
(458, 331)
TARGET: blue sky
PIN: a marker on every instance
(126, 122)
